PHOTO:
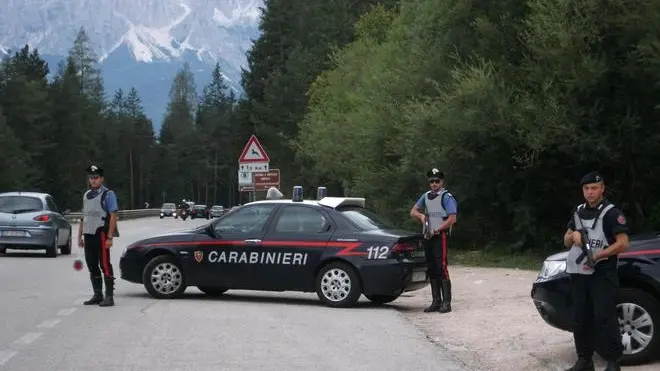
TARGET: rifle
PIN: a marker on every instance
(586, 249)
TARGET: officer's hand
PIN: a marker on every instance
(577, 238)
(81, 242)
(108, 243)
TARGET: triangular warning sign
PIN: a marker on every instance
(253, 152)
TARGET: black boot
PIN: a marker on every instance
(445, 307)
(435, 292)
(612, 366)
(582, 364)
(108, 301)
(97, 285)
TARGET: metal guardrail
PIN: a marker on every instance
(121, 214)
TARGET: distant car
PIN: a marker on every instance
(32, 221)
(168, 209)
(199, 211)
(334, 247)
(216, 211)
(638, 300)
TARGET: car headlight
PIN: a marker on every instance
(552, 268)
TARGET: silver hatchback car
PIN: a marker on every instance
(32, 221)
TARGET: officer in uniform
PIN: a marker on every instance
(97, 229)
(595, 280)
(440, 208)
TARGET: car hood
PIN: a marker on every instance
(182, 236)
(558, 256)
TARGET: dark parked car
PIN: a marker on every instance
(199, 211)
(638, 300)
(168, 209)
(32, 221)
(334, 247)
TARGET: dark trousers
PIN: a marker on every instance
(436, 257)
(595, 323)
(97, 256)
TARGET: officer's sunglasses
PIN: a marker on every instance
(434, 180)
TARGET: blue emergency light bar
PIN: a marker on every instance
(321, 192)
(297, 194)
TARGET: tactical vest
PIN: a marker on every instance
(435, 211)
(597, 240)
(94, 215)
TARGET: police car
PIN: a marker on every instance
(333, 246)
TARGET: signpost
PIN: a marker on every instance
(266, 179)
(253, 159)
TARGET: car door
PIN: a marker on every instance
(293, 247)
(228, 258)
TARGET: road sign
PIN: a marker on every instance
(252, 167)
(266, 179)
(253, 152)
(245, 178)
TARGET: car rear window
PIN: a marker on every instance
(20, 204)
(365, 219)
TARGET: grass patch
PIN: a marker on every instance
(494, 258)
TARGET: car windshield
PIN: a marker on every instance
(20, 204)
(168, 206)
(366, 219)
(199, 207)
(217, 208)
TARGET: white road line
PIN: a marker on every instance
(5, 355)
(28, 338)
(79, 301)
(66, 311)
(49, 323)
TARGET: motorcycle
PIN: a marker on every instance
(184, 214)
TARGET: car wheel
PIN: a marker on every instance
(639, 322)
(66, 248)
(212, 291)
(338, 285)
(51, 251)
(382, 299)
(163, 278)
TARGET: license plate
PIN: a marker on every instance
(418, 254)
(13, 234)
(419, 276)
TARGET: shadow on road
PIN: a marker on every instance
(255, 297)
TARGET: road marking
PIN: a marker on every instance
(5, 355)
(28, 338)
(49, 323)
(66, 312)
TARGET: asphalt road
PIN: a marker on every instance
(46, 327)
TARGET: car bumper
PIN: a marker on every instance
(552, 301)
(170, 213)
(36, 238)
(131, 265)
(392, 277)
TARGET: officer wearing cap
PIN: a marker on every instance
(440, 208)
(95, 234)
(595, 280)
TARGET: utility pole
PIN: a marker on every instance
(130, 160)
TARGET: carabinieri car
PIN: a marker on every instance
(638, 299)
(333, 246)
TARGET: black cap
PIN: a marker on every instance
(94, 170)
(435, 174)
(592, 177)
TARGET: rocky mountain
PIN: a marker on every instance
(140, 43)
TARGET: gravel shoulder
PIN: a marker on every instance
(494, 325)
